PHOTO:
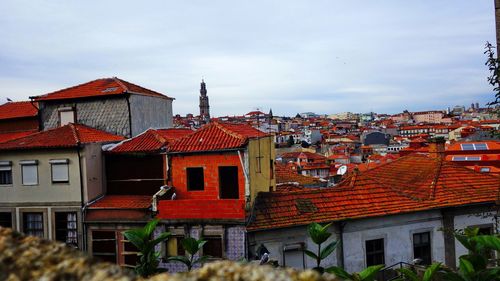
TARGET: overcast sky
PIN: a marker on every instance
(291, 56)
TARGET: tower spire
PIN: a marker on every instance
(204, 107)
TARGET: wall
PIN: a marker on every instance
(397, 232)
(233, 237)
(19, 124)
(45, 191)
(107, 114)
(150, 112)
(274, 240)
(476, 219)
(261, 182)
(92, 171)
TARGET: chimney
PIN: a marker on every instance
(436, 148)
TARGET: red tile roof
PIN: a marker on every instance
(150, 141)
(122, 202)
(303, 154)
(14, 135)
(285, 175)
(70, 135)
(18, 109)
(216, 136)
(98, 88)
(409, 184)
(492, 145)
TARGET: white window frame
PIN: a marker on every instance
(6, 166)
(27, 163)
(59, 162)
(63, 120)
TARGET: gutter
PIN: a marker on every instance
(163, 190)
(247, 178)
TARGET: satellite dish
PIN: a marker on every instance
(342, 170)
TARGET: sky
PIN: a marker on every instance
(292, 56)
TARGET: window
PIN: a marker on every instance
(60, 170)
(66, 115)
(66, 228)
(375, 252)
(228, 182)
(422, 247)
(33, 224)
(485, 170)
(29, 170)
(6, 219)
(104, 245)
(174, 247)
(5, 172)
(213, 247)
(195, 180)
(129, 253)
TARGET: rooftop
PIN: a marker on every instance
(150, 141)
(409, 184)
(216, 136)
(99, 88)
(17, 109)
(70, 135)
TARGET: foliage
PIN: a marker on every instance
(148, 257)
(494, 67)
(472, 266)
(192, 247)
(408, 274)
(368, 274)
(319, 234)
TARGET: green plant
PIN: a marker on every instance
(474, 265)
(192, 247)
(368, 274)
(141, 238)
(319, 234)
(408, 274)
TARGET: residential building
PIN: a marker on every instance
(109, 104)
(18, 119)
(396, 212)
(46, 179)
(136, 169)
(215, 174)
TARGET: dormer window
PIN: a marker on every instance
(66, 115)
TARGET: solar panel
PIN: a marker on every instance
(459, 158)
(480, 146)
(473, 158)
(467, 146)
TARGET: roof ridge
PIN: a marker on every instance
(119, 82)
(75, 132)
(68, 88)
(157, 135)
(229, 131)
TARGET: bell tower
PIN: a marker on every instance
(204, 107)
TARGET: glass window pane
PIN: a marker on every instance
(30, 174)
(60, 173)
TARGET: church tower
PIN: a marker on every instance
(204, 107)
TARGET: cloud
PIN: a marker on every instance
(291, 56)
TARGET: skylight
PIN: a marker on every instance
(110, 89)
(474, 146)
(466, 158)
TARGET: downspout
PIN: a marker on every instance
(341, 244)
(129, 115)
(82, 194)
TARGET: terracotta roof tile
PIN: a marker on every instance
(150, 141)
(18, 109)
(99, 88)
(70, 135)
(408, 184)
(14, 135)
(216, 136)
(285, 175)
(122, 202)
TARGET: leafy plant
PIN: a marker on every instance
(474, 265)
(148, 257)
(368, 274)
(192, 247)
(408, 274)
(319, 234)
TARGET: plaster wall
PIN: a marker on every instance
(397, 232)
